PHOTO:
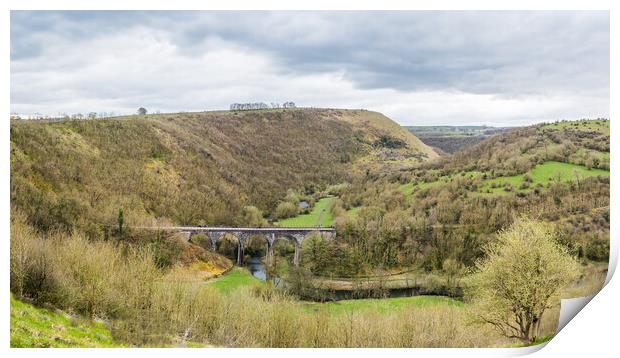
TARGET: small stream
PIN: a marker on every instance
(257, 268)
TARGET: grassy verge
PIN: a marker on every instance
(34, 327)
(321, 215)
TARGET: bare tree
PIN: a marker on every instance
(259, 105)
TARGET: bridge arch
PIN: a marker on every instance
(294, 235)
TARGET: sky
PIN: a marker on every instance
(416, 67)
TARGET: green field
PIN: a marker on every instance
(543, 174)
(38, 328)
(237, 277)
(321, 215)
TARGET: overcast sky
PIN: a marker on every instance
(419, 68)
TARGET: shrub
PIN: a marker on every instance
(285, 210)
(92, 278)
(252, 216)
(597, 250)
(387, 141)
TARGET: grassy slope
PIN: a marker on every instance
(37, 328)
(526, 143)
(373, 125)
(188, 168)
(541, 174)
(575, 142)
(365, 119)
(321, 215)
(546, 173)
(601, 126)
(408, 188)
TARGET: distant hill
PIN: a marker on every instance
(450, 139)
(581, 142)
(193, 168)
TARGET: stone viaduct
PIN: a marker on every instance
(243, 234)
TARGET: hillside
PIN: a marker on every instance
(33, 327)
(193, 168)
(583, 142)
(446, 209)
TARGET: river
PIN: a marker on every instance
(257, 268)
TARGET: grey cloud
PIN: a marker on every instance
(504, 54)
(479, 52)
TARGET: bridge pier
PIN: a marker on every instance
(243, 238)
(271, 238)
(240, 255)
(214, 237)
(297, 254)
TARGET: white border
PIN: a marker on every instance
(592, 332)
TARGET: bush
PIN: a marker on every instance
(598, 250)
(285, 210)
(97, 279)
(201, 240)
(337, 189)
(252, 216)
(387, 141)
